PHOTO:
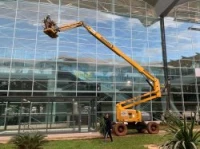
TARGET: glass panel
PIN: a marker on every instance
(21, 85)
(44, 85)
(71, 76)
(145, 107)
(142, 88)
(139, 44)
(189, 88)
(190, 107)
(67, 46)
(175, 88)
(21, 74)
(23, 54)
(50, 94)
(25, 44)
(68, 66)
(22, 93)
(6, 32)
(105, 86)
(189, 97)
(188, 80)
(2, 115)
(64, 94)
(88, 40)
(40, 74)
(86, 58)
(102, 49)
(7, 13)
(105, 32)
(137, 23)
(24, 24)
(66, 86)
(70, 36)
(67, 56)
(6, 42)
(46, 45)
(139, 35)
(26, 34)
(157, 106)
(49, 9)
(124, 45)
(68, 13)
(48, 65)
(127, 86)
(27, 6)
(123, 96)
(176, 97)
(4, 84)
(108, 59)
(123, 33)
(86, 86)
(39, 115)
(86, 67)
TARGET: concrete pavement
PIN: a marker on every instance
(67, 136)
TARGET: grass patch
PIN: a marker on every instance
(128, 142)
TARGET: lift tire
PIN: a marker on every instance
(152, 128)
(120, 129)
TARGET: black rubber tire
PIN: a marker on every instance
(152, 128)
(120, 129)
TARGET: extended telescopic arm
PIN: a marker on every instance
(152, 81)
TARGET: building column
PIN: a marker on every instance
(165, 64)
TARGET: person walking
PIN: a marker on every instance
(108, 125)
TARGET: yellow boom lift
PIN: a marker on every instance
(126, 116)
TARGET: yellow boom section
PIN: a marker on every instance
(155, 93)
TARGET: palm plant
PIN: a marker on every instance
(184, 136)
(102, 126)
(29, 141)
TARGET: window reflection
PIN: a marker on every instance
(32, 62)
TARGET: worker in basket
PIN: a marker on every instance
(50, 23)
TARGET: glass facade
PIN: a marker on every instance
(182, 37)
(43, 70)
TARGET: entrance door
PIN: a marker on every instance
(85, 118)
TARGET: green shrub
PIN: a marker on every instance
(29, 141)
(183, 134)
(102, 126)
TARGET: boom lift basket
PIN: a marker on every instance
(50, 32)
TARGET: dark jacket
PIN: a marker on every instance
(108, 123)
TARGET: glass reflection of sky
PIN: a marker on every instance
(129, 34)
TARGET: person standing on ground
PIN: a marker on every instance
(108, 124)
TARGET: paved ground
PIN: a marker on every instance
(68, 136)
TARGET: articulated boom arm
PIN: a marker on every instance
(127, 104)
(70, 26)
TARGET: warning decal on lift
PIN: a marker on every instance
(124, 113)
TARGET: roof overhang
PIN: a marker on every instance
(162, 8)
(140, 9)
